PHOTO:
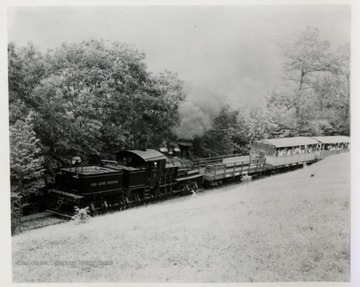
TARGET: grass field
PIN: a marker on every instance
(287, 227)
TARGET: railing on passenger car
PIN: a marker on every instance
(299, 158)
(324, 153)
(292, 159)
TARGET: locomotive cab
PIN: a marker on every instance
(149, 176)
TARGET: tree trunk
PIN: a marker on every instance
(298, 96)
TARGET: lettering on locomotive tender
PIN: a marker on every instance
(102, 183)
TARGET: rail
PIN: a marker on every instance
(291, 159)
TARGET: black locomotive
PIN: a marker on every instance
(136, 176)
(139, 176)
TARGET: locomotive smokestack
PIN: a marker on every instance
(185, 145)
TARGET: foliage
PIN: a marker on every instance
(81, 214)
(91, 99)
(219, 139)
(281, 113)
(233, 130)
(315, 96)
(256, 124)
(106, 99)
(26, 69)
(26, 165)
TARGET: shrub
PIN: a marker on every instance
(81, 214)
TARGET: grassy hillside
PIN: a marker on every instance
(288, 227)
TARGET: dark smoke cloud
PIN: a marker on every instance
(197, 113)
(194, 121)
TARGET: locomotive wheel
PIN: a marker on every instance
(59, 204)
(127, 203)
(122, 205)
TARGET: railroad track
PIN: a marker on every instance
(51, 217)
(42, 219)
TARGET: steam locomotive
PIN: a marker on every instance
(140, 176)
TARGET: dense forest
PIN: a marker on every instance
(97, 97)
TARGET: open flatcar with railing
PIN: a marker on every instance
(233, 168)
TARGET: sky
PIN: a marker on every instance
(230, 50)
(224, 54)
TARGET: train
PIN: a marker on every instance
(148, 175)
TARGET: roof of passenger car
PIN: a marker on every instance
(333, 139)
(148, 154)
(289, 142)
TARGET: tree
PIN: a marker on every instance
(26, 69)
(219, 140)
(315, 95)
(253, 123)
(281, 114)
(26, 165)
(97, 97)
(91, 99)
(154, 112)
(308, 57)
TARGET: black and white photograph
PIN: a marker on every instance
(207, 143)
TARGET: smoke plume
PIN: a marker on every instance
(243, 77)
(198, 113)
